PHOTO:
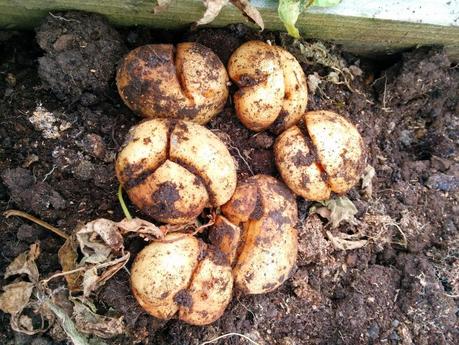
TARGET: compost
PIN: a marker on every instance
(62, 123)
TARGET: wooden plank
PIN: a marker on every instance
(376, 27)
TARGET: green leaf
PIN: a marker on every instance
(289, 11)
(325, 3)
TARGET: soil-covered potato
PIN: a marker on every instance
(188, 82)
(273, 89)
(169, 277)
(268, 245)
(325, 156)
(172, 170)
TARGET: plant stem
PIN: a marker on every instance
(40, 222)
(122, 203)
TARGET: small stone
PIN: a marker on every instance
(28, 233)
(440, 164)
(373, 331)
(395, 323)
(443, 182)
(394, 336)
(94, 145)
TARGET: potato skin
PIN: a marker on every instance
(273, 88)
(210, 292)
(161, 271)
(172, 170)
(193, 86)
(326, 156)
(269, 239)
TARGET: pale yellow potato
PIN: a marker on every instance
(144, 150)
(298, 166)
(210, 292)
(191, 85)
(204, 79)
(225, 236)
(172, 170)
(255, 68)
(203, 153)
(163, 270)
(171, 194)
(339, 147)
(269, 239)
(296, 92)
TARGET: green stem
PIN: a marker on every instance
(122, 203)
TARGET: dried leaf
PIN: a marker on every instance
(341, 209)
(15, 297)
(92, 280)
(24, 263)
(367, 178)
(89, 322)
(249, 11)
(213, 8)
(142, 228)
(68, 259)
(346, 242)
(67, 324)
(161, 5)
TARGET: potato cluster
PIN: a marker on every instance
(273, 89)
(322, 155)
(188, 82)
(254, 244)
(172, 170)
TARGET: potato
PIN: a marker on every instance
(169, 278)
(162, 271)
(268, 248)
(188, 82)
(273, 89)
(172, 170)
(210, 292)
(326, 156)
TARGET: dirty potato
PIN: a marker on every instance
(188, 82)
(273, 89)
(268, 245)
(172, 170)
(326, 154)
(169, 278)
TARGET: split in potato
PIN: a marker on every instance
(326, 155)
(172, 170)
(266, 211)
(169, 278)
(188, 82)
(273, 89)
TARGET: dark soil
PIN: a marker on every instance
(402, 288)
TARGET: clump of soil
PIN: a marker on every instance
(400, 288)
(81, 52)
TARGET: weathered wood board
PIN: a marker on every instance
(365, 27)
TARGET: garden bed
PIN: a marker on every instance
(400, 288)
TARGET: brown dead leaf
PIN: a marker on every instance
(250, 12)
(15, 297)
(68, 259)
(89, 322)
(142, 228)
(213, 8)
(24, 263)
(95, 276)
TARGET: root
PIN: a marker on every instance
(230, 335)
